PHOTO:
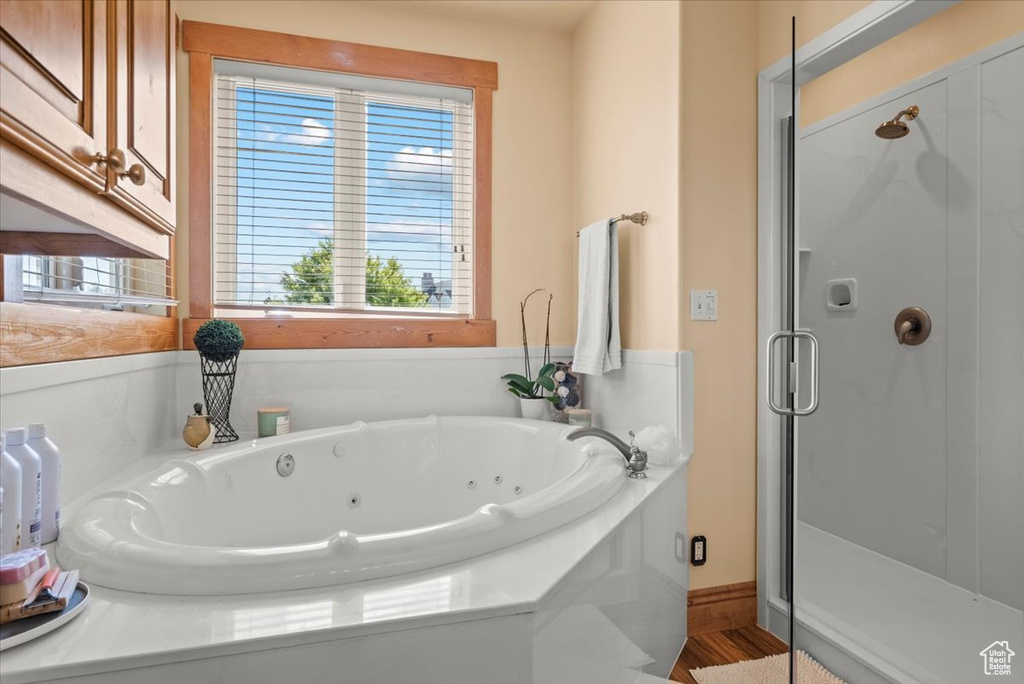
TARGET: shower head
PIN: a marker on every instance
(895, 128)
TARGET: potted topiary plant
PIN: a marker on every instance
(219, 343)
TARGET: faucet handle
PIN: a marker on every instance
(637, 459)
(634, 449)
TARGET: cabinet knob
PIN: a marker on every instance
(136, 173)
(113, 160)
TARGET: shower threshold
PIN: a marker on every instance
(870, 618)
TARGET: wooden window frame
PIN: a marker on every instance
(204, 42)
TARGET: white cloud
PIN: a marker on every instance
(320, 228)
(411, 163)
(406, 229)
(313, 133)
(264, 133)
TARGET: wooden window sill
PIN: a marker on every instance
(320, 333)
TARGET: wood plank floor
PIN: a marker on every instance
(723, 648)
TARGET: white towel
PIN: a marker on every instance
(598, 346)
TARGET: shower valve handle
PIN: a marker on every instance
(913, 325)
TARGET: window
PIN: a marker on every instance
(336, 193)
(339, 194)
(113, 284)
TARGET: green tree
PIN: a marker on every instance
(387, 286)
(312, 280)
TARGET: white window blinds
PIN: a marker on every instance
(338, 193)
(140, 285)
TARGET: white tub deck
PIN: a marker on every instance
(122, 630)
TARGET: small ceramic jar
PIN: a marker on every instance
(198, 433)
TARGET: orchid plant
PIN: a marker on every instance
(526, 386)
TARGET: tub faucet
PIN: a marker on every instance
(636, 459)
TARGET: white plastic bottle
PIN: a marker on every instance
(10, 476)
(31, 486)
(49, 455)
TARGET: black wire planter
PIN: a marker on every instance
(218, 386)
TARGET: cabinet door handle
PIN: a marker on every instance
(136, 173)
(113, 160)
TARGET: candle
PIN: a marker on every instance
(273, 421)
(580, 417)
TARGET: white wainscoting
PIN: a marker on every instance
(102, 413)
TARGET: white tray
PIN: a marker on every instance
(27, 629)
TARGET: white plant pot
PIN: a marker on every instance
(535, 409)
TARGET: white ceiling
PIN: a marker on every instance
(550, 15)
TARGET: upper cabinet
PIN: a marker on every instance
(142, 105)
(87, 127)
(54, 83)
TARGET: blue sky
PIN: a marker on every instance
(285, 184)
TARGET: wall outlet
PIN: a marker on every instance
(704, 305)
(699, 550)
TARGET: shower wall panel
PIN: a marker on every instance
(872, 211)
(917, 452)
(1001, 338)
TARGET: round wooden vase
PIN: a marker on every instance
(198, 433)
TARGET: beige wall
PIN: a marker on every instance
(813, 17)
(719, 251)
(948, 36)
(533, 222)
(626, 154)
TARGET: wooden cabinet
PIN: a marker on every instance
(53, 76)
(87, 124)
(142, 108)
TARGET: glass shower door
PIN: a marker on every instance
(906, 277)
(790, 350)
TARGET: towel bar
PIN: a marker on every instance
(639, 217)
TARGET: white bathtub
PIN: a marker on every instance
(364, 501)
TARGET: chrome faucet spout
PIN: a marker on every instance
(636, 459)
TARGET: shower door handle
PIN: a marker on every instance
(775, 337)
(813, 344)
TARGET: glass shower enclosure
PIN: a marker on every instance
(894, 369)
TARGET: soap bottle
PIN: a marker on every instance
(31, 487)
(10, 476)
(49, 455)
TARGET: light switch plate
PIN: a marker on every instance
(704, 305)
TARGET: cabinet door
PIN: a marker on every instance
(53, 75)
(142, 106)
